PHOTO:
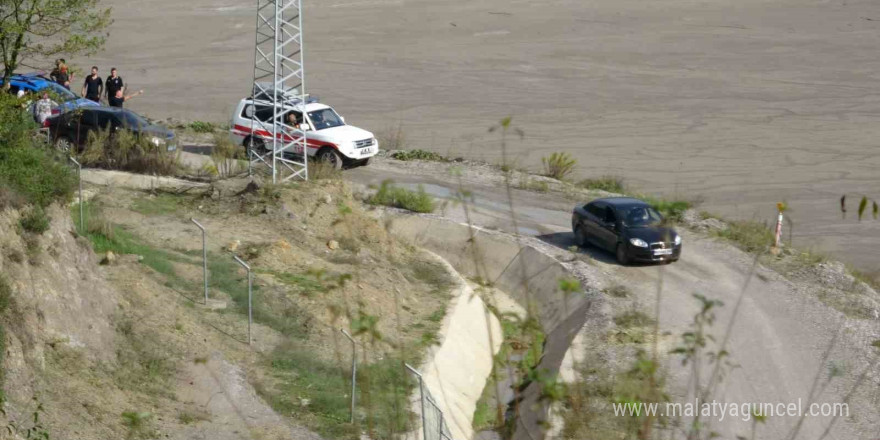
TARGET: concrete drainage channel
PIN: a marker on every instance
(529, 275)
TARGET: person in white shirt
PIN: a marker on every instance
(43, 108)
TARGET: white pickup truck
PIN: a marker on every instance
(328, 137)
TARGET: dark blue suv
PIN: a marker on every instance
(36, 83)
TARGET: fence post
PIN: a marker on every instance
(82, 225)
(422, 395)
(204, 258)
(250, 295)
(353, 371)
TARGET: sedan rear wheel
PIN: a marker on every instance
(622, 258)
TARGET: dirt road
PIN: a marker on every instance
(742, 103)
(779, 337)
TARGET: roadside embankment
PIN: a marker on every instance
(529, 275)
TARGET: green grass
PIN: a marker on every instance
(747, 235)
(672, 210)
(396, 197)
(161, 204)
(610, 184)
(876, 343)
(300, 375)
(307, 283)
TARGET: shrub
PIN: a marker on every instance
(227, 156)
(125, 151)
(35, 220)
(5, 295)
(418, 155)
(610, 184)
(672, 210)
(33, 174)
(390, 195)
(558, 165)
(202, 127)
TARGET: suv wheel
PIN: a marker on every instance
(255, 145)
(63, 144)
(622, 258)
(331, 157)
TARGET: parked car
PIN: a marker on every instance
(71, 130)
(630, 228)
(328, 137)
(37, 84)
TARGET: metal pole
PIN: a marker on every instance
(204, 258)
(250, 295)
(353, 371)
(422, 394)
(82, 225)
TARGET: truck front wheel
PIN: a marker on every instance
(330, 157)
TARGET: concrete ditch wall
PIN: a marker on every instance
(528, 275)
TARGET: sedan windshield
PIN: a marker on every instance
(325, 118)
(641, 216)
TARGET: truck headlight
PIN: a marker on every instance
(638, 242)
(678, 240)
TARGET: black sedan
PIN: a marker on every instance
(629, 227)
(70, 130)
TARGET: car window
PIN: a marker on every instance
(610, 216)
(595, 209)
(265, 113)
(89, 118)
(105, 120)
(64, 95)
(325, 118)
(131, 120)
(642, 216)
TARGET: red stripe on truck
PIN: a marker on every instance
(312, 143)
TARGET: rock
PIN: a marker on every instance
(327, 199)
(333, 244)
(304, 402)
(233, 246)
(282, 244)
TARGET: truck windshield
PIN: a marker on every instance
(325, 118)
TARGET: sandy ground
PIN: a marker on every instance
(744, 103)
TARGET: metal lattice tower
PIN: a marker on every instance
(279, 88)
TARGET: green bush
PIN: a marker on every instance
(672, 210)
(202, 127)
(28, 171)
(418, 155)
(605, 183)
(390, 195)
(558, 165)
(35, 220)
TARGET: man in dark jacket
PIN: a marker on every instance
(113, 83)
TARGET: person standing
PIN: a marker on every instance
(93, 87)
(119, 99)
(113, 83)
(43, 108)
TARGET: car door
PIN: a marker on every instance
(608, 229)
(85, 124)
(591, 222)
